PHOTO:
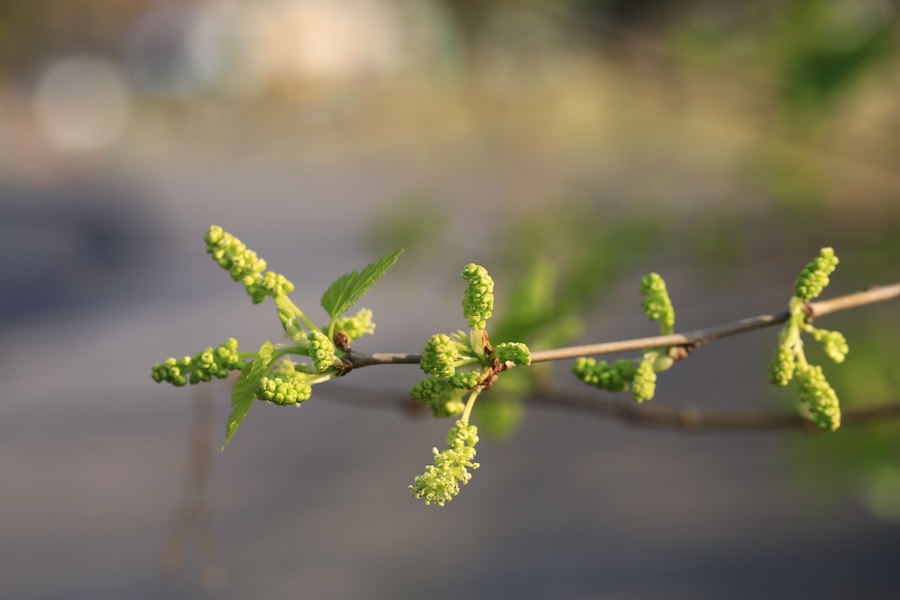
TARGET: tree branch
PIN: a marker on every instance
(691, 339)
(686, 419)
(693, 419)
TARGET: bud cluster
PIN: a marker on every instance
(656, 302)
(478, 303)
(790, 359)
(439, 356)
(815, 391)
(440, 482)
(814, 276)
(321, 350)
(203, 366)
(356, 326)
(515, 352)
(245, 266)
(440, 395)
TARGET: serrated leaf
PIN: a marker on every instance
(346, 291)
(242, 393)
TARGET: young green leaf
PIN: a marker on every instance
(242, 394)
(346, 291)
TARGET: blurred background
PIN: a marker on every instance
(575, 143)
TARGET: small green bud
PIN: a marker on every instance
(834, 342)
(644, 383)
(439, 355)
(781, 369)
(824, 408)
(440, 482)
(814, 276)
(478, 302)
(662, 363)
(656, 302)
(321, 350)
(515, 352)
(356, 326)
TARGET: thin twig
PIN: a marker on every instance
(694, 338)
(694, 419)
(687, 419)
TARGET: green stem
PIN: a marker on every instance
(469, 404)
(463, 362)
(297, 312)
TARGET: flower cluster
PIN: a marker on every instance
(814, 276)
(614, 377)
(203, 366)
(834, 343)
(643, 386)
(439, 356)
(781, 369)
(790, 361)
(440, 481)
(442, 397)
(321, 350)
(444, 355)
(356, 326)
(245, 266)
(285, 385)
(656, 302)
(282, 391)
(622, 374)
(824, 409)
(515, 352)
(478, 303)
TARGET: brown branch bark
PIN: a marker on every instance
(686, 419)
(694, 338)
(693, 419)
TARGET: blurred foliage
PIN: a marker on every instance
(866, 459)
(416, 222)
(823, 47)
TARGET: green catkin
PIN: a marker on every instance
(515, 352)
(440, 482)
(656, 302)
(790, 360)
(643, 386)
(440, 396)
(614, 377)
(824, 408)
(814, 276)
(245, 266)
(834, 343)
(781, 369)
(203, 366)
(321, 350)
(439, 355)
(478, 303)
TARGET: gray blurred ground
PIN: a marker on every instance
(312, 503)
